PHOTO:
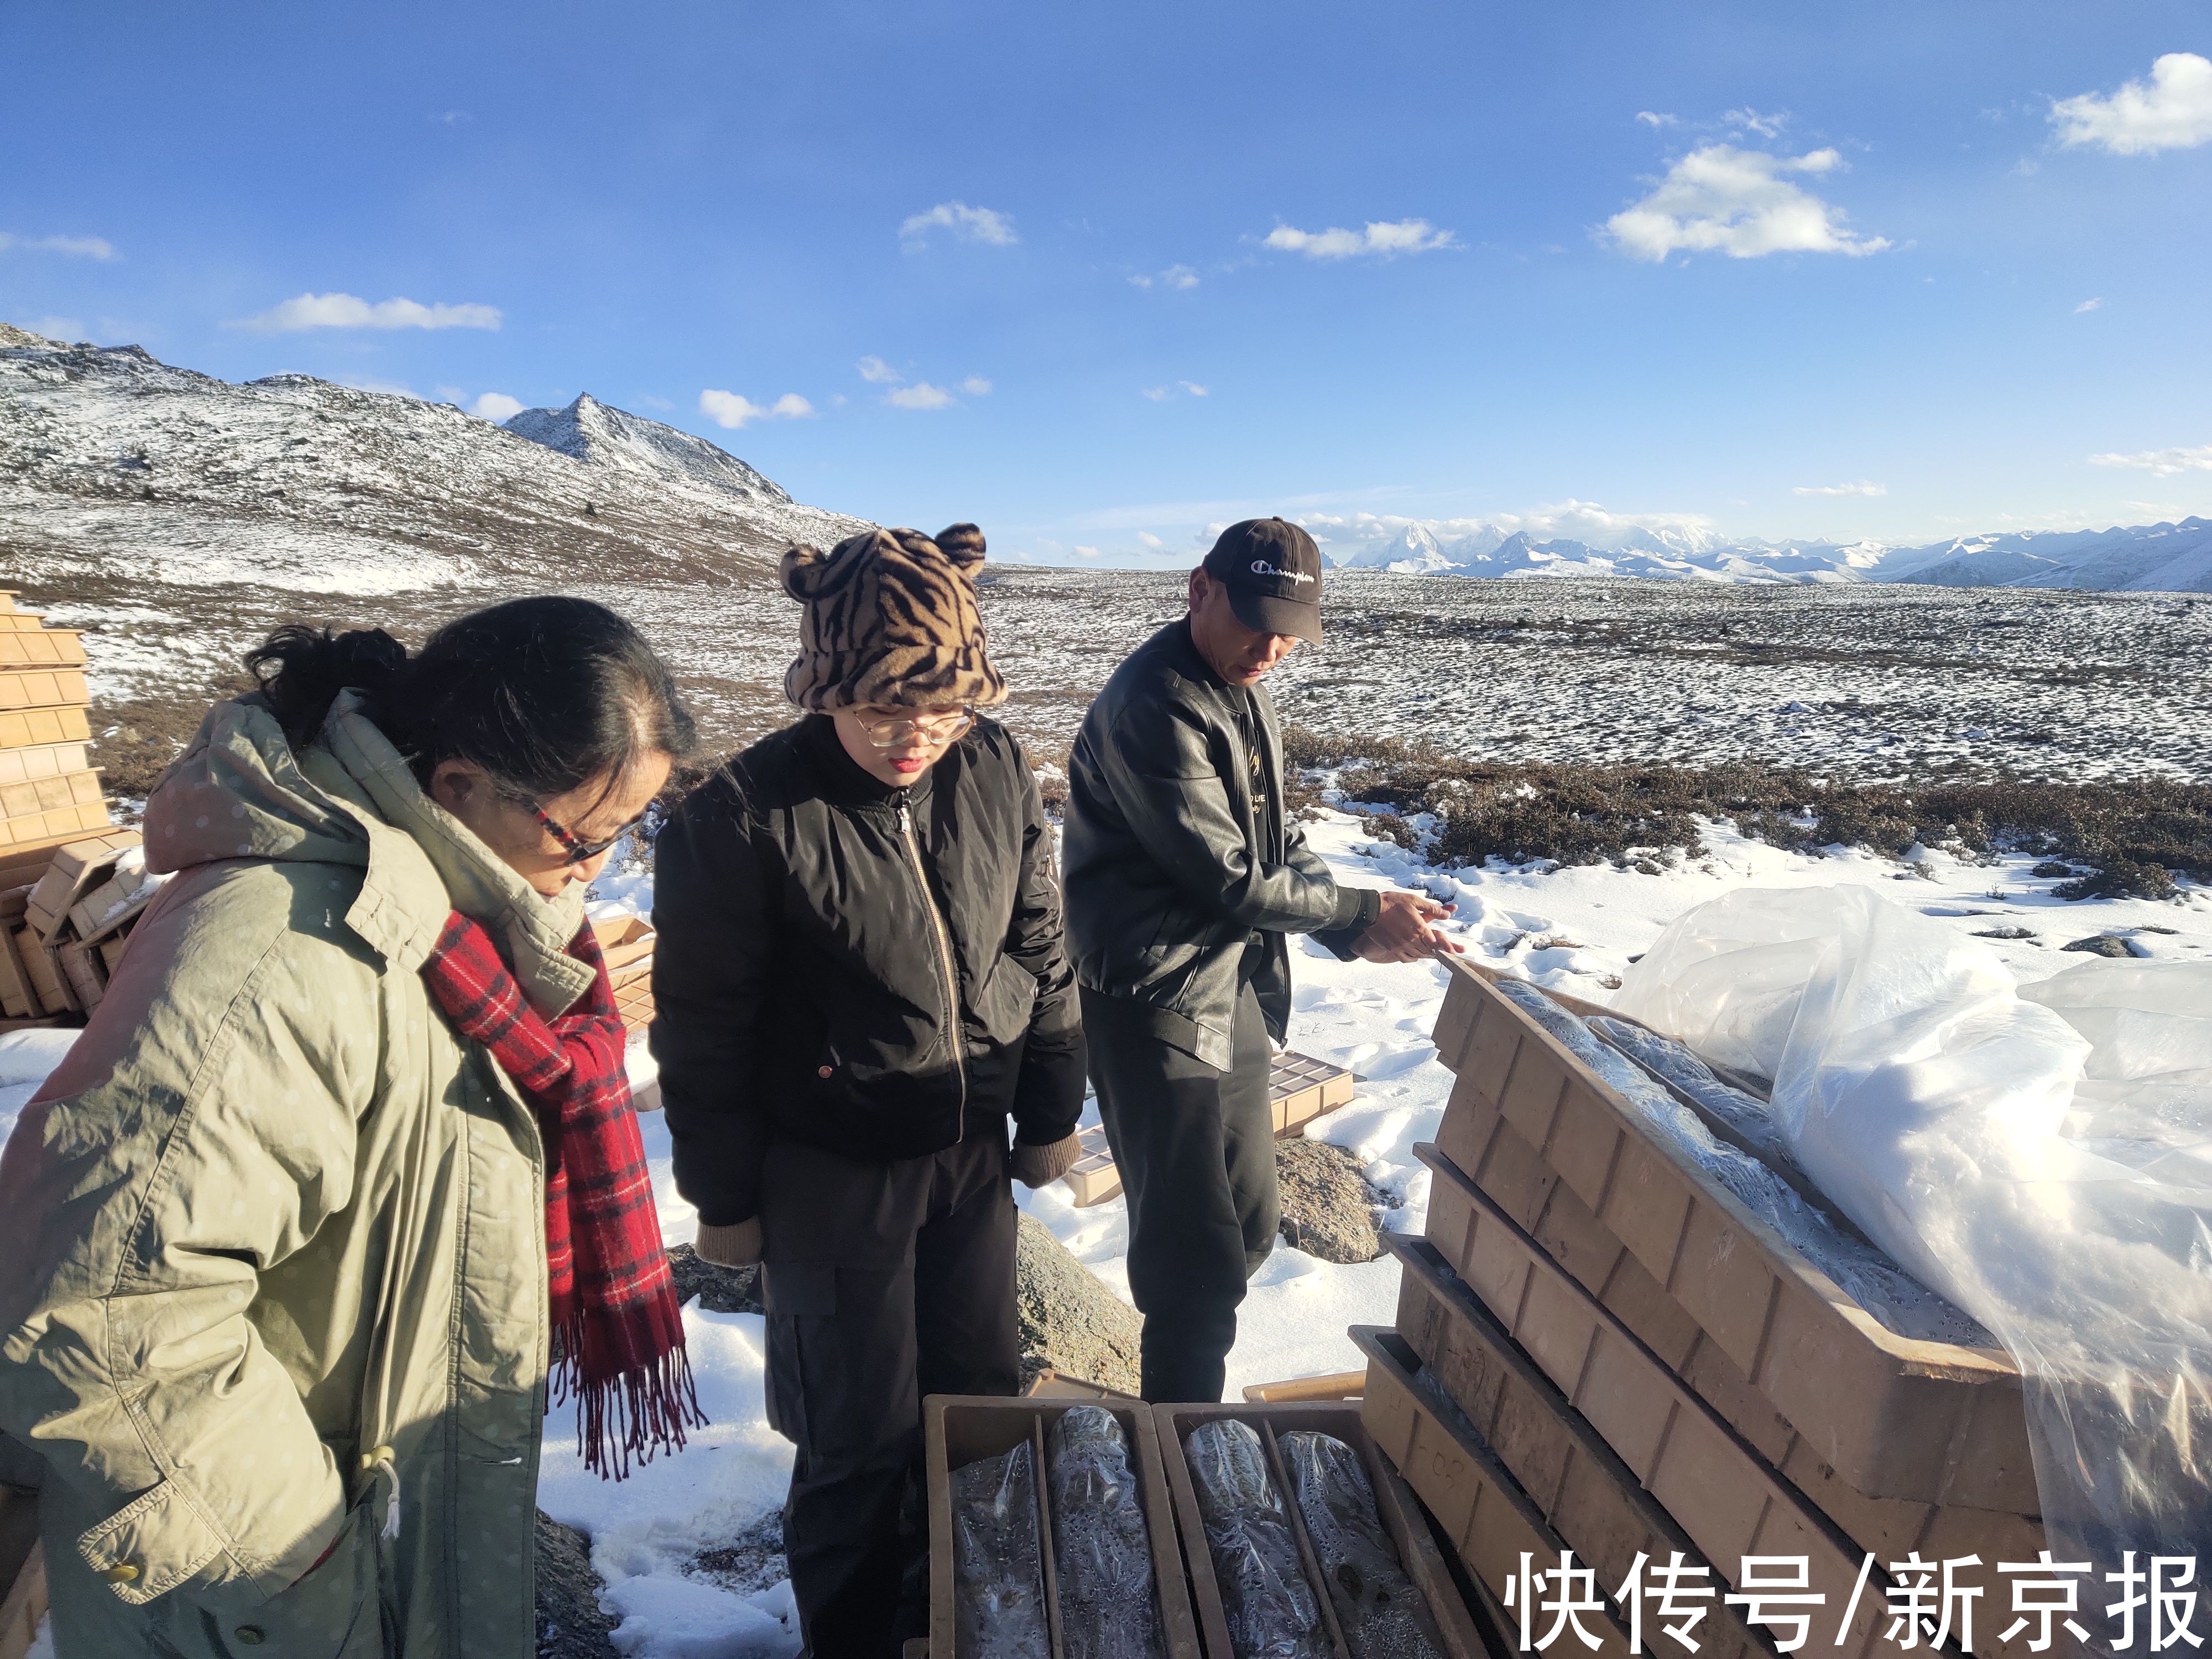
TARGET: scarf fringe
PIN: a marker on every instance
(637, 1413)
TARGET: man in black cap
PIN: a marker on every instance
(1184, 874)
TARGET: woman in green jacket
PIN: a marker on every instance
(276, 1319)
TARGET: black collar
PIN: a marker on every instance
(1192, 661)
(845, 780)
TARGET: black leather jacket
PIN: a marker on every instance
(1171, 874)
(811, 919)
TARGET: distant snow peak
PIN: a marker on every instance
(2145, 558)
(614, 439)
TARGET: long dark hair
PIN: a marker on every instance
(544, 694)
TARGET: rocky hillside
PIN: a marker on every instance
(177, 516)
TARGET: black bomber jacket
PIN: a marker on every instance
(874, 970)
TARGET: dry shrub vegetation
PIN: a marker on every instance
(2121, 839)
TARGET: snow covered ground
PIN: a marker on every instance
(1572, 929)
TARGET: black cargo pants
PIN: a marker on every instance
(884, 1282)
(1195, 1147)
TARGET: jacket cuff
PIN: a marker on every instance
(738, 1246)
(1340, 938)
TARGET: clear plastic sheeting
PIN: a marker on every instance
(998, 1560)
(1869, 1278)
(1108, 1608)
(2041, 1155)
(1273, 1612)
(1743, 1118)
(1377, 1608)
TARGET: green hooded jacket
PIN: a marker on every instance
(275, 1235)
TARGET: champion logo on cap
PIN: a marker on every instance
(1261, 568)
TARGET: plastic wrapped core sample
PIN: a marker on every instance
(1273, 1612)
(1379, 1611)
(1108, 1609)
(1875, 1282)
(998, 1564)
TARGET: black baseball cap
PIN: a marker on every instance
(1273, 572)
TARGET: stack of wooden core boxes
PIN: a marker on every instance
(626, 942)
(1192, 1610)
(1299, 1089)
(63, 913)
(1601, 1349)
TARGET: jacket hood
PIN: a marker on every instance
(240, 790)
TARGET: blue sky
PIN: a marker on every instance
(1100, 278)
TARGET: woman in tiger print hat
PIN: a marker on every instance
(861, 976)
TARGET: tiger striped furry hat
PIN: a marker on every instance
(891, 620)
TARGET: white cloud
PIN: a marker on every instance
(876, 372)
(2173, 110)
(649, 401)
(969, 224)
(345, 311)
(1160, 394)
(1653, 119)
(496, 406)
(2162, 463)
(2087, 305)
(1192, 387)
(82, 247)
(69, 330)
(1383, 239)
(1720, 199)
(920, 395)
(728, 410)
(1750, 120)
(731, 409)
(976, 386)
(1862, 488)
(1173, 276)
(1083, 552)
(1151, 541)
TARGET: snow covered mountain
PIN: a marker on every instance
(613, 439)
(2157, 558)
(115, 464)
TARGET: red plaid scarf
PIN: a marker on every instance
(618, 1330)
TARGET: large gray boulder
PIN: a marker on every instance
(570, 1624)
(1328, 1208)
(1070, 1321)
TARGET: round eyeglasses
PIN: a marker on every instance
(888, 731)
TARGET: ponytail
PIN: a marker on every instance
(302, 669)
(544, 694)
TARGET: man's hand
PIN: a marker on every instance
(1403, 933)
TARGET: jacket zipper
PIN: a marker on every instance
(955, 1038)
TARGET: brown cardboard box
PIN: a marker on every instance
(1401, 1518)
(958, 1429)
(39, 647)
(1092, 1178)
(22, 728)
(1478, 1504)
(74, 867)
(624, 940)
(1653, 1415)
(80, 966)
(1299, 1089)
(19, 997)
(1573, 1355)
(48, 794)
(45, 972)
(42, 688)
(43, 829)
(47, 760)
(1932, 1422)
